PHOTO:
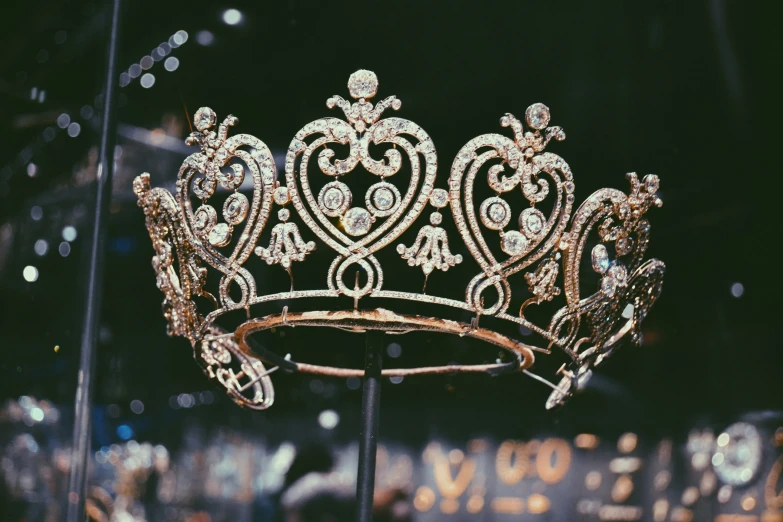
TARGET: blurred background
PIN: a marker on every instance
(679, 89)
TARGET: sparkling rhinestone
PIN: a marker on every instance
(436, 218)
(281, 195)
(439, 198)
(496, 212)
(600, 258)
(220, 235)
(608, 286)
(383, 198)
(333, 198)
(427, 267)
(204, 118)
(363, 84)
(283, 214)
(233, 207)
(356, 221)
(623, 246)
(513, 243)
(537, 116)
(618, 271)
(651, 183)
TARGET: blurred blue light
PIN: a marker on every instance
(124, 432)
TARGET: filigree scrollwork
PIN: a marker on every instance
(244, 377)
(431, 250)
(178, 287)
(533, 171)
(353, 231)
(542, 283)
(286, 245)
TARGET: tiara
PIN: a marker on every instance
(211, 243)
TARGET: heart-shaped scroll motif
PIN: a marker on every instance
(532, 234)
(359, 234)
(201, 173)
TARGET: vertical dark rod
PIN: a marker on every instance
(77, 480)
(371, 418)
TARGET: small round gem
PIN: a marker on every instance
(334, 198)
(531, 222)
(363, 84)
(496, 212)
(439, 198)
(204, 219)
(651, 183)
(204, 118)
(608, 285)
(537, 116)
(235, 208)
(356, 221)
(618, 271)
(383, 198)
(281, 195)
(436, 218)
(220, 235)
(534, 223)
(283, 214)
(513, 243)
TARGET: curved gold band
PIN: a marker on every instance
(380, 319)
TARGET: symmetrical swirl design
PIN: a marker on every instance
(356, 185)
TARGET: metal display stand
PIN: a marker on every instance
(77, 479)
(371, 416)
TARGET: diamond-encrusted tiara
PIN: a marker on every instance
(211, 229)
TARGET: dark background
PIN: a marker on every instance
(681, 89)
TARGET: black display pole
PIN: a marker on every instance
(77, 479)
(371, 417)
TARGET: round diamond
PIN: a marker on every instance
(513, 243)
(534, 223)
(363, 84)
(235, 209)
(201, 220)
(383, 198)
(204, 118)
(439, 198)
(356, 221)
(618, 271)
(333, 198)
(537, 116)
(496, 212)
(281, 195)
(436, 218)
(608, 286)
(220, 235)
(204, 219)
(283, 214)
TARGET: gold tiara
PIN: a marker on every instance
(211, 241)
